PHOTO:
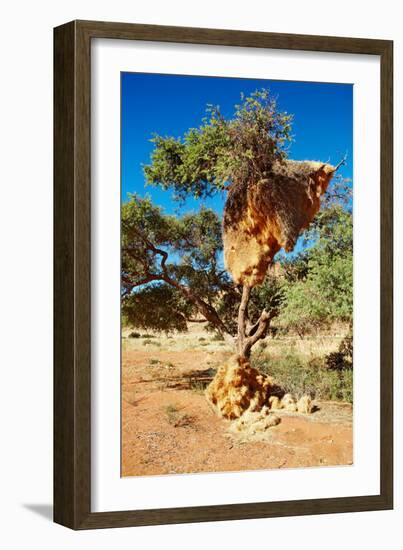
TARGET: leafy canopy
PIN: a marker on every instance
(172, 268)
(168, 260)
(220, 150)
(172, 271)
(319, 288)
(147, 234)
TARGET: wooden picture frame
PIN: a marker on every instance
(72, 270)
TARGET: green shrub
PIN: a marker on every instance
(343, 358)
(295, 375)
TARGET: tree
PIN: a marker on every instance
(175, 263)
(148, 235)
(319, 286)
(172, 272)
(220, 152)
(207, 160)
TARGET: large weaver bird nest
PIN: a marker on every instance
(262, 217)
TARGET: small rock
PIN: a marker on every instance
(253, 424)
(288, 403)
(304, 405)
(274, 403)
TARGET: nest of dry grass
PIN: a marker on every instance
(262, 217)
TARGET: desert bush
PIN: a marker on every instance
(336, 361)
(346, 346)
(198, 386)
(295, 374)
(342, 359)
(319, 287)
(178, 419)
(198, 381)
(172, 412)
(148, 340)
(134, 335)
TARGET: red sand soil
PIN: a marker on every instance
(168, 427)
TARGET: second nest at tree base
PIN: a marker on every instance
(238, 388)
(263, 217)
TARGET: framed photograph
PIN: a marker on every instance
(222, 275)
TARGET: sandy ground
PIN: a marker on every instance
(168, 426)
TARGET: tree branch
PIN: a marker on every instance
(207, 310)
(261, 330)
(190, 319)
(341, 163)
(243, 315)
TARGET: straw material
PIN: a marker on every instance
(261, 218)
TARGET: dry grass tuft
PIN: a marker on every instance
(178, 419)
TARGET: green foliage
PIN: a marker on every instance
(268, 296)
(172, 268)
(315, 287)
(341, 359)
(164, 258)
(222, 151)
(319, 287)
(295, 375)
(156, 307)
(162, 255)
(147, 234)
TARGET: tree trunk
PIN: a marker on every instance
(237, 386)
(242, 320)
(249, 335)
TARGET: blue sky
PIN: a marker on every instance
(169, 105)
